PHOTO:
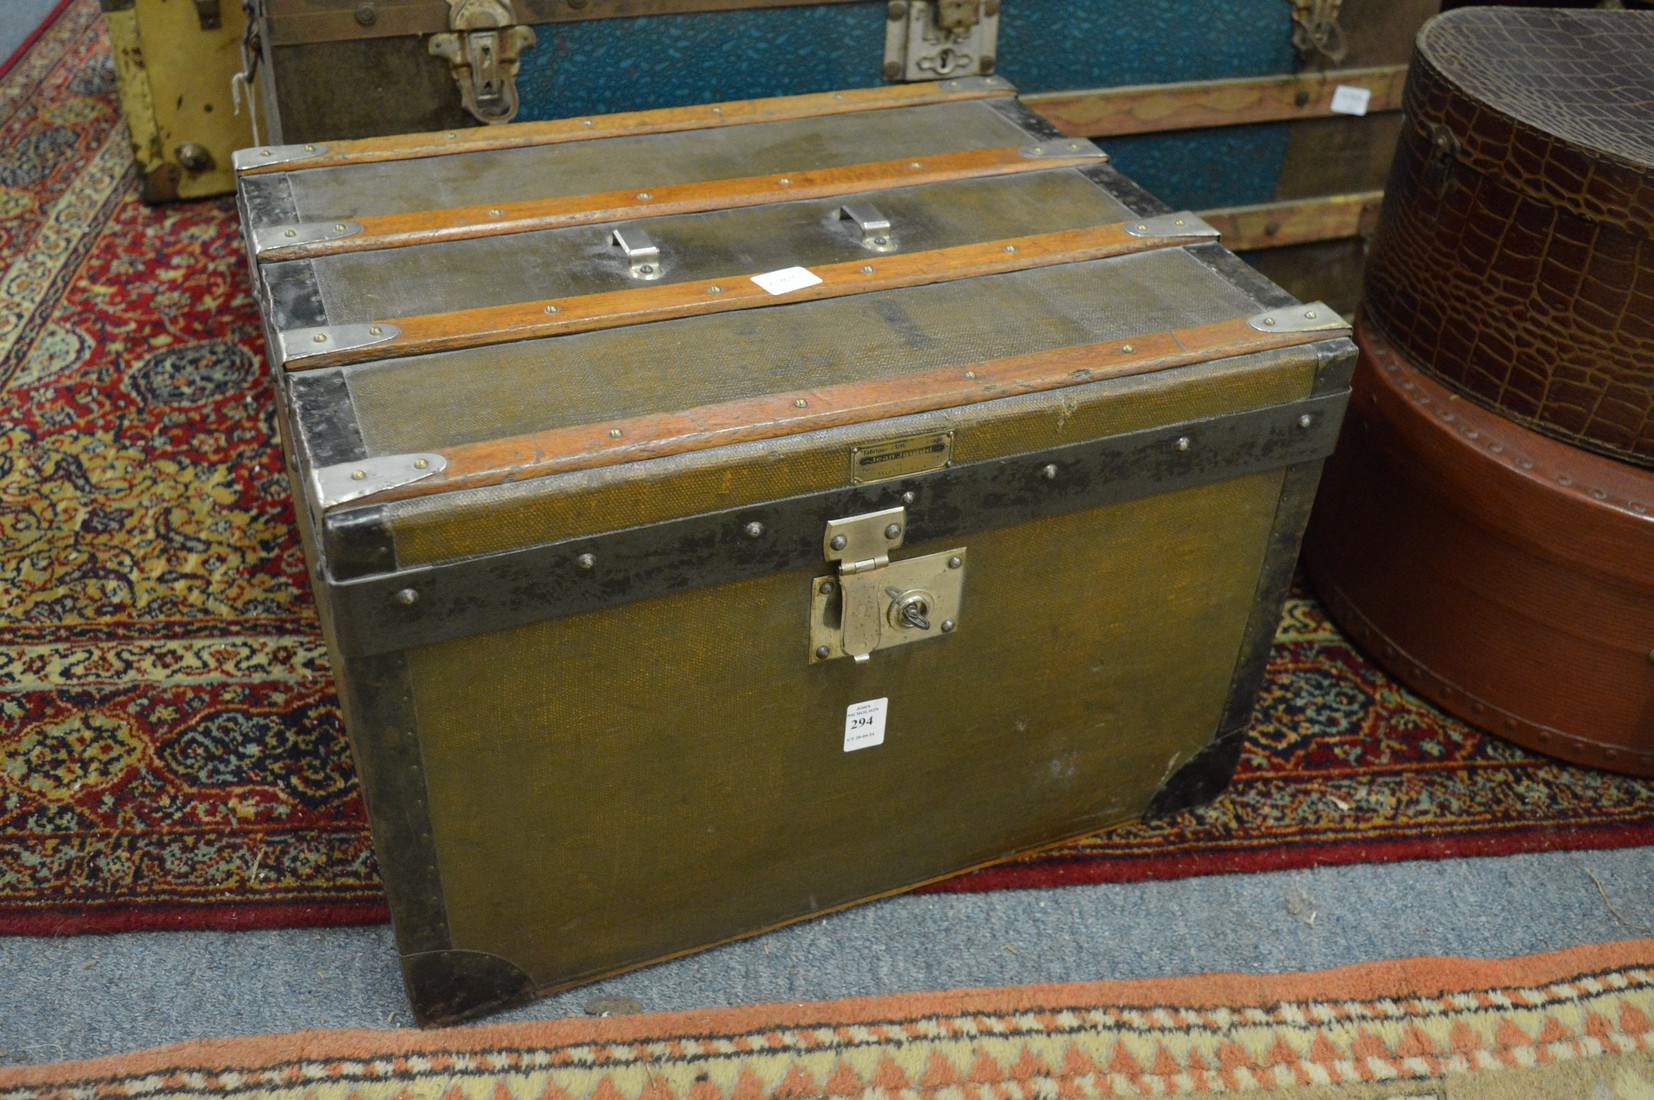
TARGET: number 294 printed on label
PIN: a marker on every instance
(864, 724)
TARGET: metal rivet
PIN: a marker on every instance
(1182, 443)
(1564, 479)
(422, 463)
(1127, 348)
(644, 195)
(1639, 508)
(554, 309)
(1269, 320)
(1142, 229)
(1010, 248)
(947, 626)
(646, 269)
(264, 152)
(1309, 313)
(867, 271)
(714, 290)
(615, 433)
(1049, 472)
(754, 530)
(310, 148)
(407, 597)
(801, 404)
(955, 562)
(785, 182)
(717, 110)
(375, 330)
(586, 561)
(839, 542)
(1305, 421)
(881, 241)
(893, 532)
(909, 497)
(320, 338)
(291, 233)
(1039, 149)
(915, 164)
(494, 213)
(587, 122)
(338, 227)
(825, 588)
(450, 136)
(1076, 145)
(358, 475)
(822, 652)
(970, 376)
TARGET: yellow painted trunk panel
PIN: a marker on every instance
(175, 90)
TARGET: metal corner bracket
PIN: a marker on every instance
(932, 39)
(268, 156)
(271, 237)
(1063, 148)
(1181, 224)
(302, 343)
(1309, 317)
(348, 481)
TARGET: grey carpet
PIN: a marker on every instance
(18, 20)
(93, 995)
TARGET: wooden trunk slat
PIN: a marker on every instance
(524, 135)
(463, 223)
(611, 443)
(1296, 221)
(616, 309)
(1153, 108)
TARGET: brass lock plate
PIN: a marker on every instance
(873, 603)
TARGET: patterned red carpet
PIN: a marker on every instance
(170, 749)
(1568, 1026)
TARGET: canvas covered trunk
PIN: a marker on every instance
(724, 515)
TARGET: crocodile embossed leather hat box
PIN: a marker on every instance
(722, 515)
(1514, 257)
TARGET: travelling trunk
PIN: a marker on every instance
(721, 516)
(1503, 575)
(1514, 257)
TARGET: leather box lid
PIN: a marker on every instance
(1559, 103)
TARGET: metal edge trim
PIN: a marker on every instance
(440, 602)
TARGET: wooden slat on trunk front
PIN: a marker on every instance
(523, 135)
(616, 309)
(773, 416)
(463, 223)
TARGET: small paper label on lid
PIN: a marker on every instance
(1348, 99)
(787, 280)
(864, 724)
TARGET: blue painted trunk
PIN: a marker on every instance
(606, 65)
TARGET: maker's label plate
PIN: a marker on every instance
(900, 457)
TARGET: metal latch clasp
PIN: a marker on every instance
(483, 55)
(934, 39)
(874, 603)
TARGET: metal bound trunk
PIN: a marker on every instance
(722, 516)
